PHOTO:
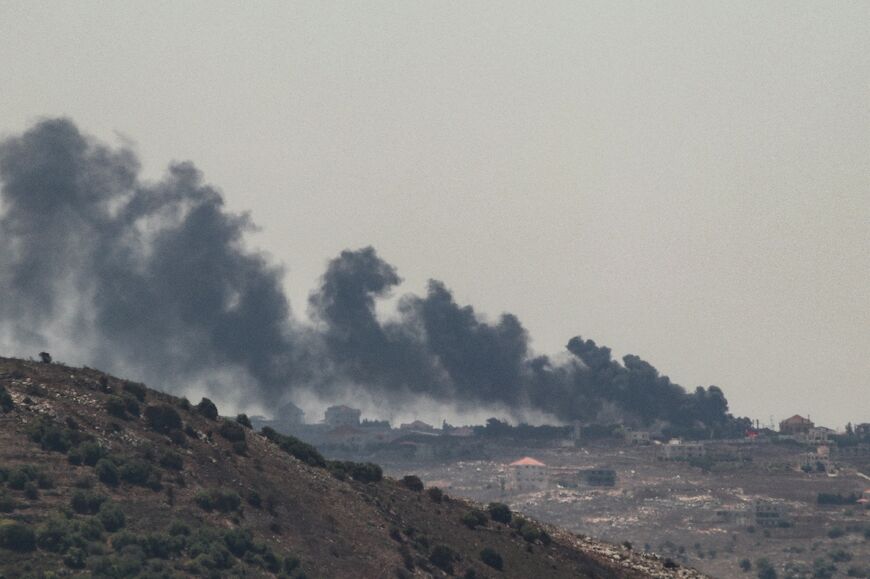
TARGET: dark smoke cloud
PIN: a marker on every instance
(154, 277)
(156, 274)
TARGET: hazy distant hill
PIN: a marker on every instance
(103, 477)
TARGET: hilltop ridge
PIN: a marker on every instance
(106, 477)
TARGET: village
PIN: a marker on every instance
(796, 498)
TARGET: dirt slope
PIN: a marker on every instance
(209, 497)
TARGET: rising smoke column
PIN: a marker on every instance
(151, 277)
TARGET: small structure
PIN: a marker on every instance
(417, 426)
(599, 477)
(342, 415)
(676, 449)
(770, 514)
(732, 515)
(862, 429)
(290, 414)
(527, 474)
(636, 436)
(795, 425)
(815, 435)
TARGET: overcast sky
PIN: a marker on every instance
(685, 181)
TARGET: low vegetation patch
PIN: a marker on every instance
(295, 447)
(218, 499)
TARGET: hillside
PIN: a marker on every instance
(101, 476)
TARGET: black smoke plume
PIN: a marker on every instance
(154, 278)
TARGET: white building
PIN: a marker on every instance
(528, 474)
(342, 416)
(676, 449)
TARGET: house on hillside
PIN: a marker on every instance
(290, 414)
(816, 435)
(527, 474)
(676, 449)
(342, 415)
(417, 426)
(795, 425)
(632, 436)
(770, 513)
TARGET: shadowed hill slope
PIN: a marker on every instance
(104, 477)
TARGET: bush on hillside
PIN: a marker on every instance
(171, 460)
(500, 512)
(491, 557)
(7, 503)
(17, 537)
(413, 483)
(207, 408)
(232, 431)
(366, 472)
(108, 472)
(474, 518)
(111, 516)
(116, 407)
(136, 390)
(223, 500)
(162, 418)
(244, 420)
(295, 447)
(87, 502)
(436, 494)
(6, 402)
(443, 557)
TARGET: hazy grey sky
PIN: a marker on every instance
(686, 181)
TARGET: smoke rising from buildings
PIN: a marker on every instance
(154, 279)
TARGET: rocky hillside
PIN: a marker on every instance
(104, 477)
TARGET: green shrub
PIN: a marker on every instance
(443, 557)
(87, 502)
(366, 472)
(7, 503)
(295, 447)
(240, 447)
(172, 460)
(75, 558)
(131, 406)
(223, 500)
(500, 512)
(53, 437)
(232, 431)
(6, 402)
(491, 557)
(30, 491)
(17, 537)
(413, 483)
(91, 452)
(116, 407)
(17, 479)
(207, 408)
(162, 418)
(474, 518)
(244, 420)
(136, 471)
(135, 389)
(111, 516)
(254, 499)
(55, 534)
(238, 541)
(836, 532)
(107, 472)
(436, 494)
